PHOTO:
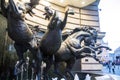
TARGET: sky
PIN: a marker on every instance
(110, 22)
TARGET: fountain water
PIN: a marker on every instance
(62, 79)
(56, 78)
(88, 77)
(76, 77)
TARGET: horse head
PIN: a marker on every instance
(18, 8)
(55, 21)
(80, 35)
(89, 34)
(86, 39)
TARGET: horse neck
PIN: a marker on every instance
(72, 37)
(14, 12)
(80, 36)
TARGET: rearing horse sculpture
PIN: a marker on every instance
(71, 50)
(20, 33)
(51, 41)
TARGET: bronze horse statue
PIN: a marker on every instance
(52, 39)
(20, 33)
(73, 39)
(71, 50)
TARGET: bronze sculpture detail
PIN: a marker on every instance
(20, 33)
(51, 41)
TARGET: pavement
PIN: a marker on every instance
(106, 74)
(109, 74)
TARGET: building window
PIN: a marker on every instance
(86, 60)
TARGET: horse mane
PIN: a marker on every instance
(64, 36)
(82, 28)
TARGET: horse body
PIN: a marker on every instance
(50, 44)
(73, 40)
(52, 39)
(62, 53)
(17, 28)
(19, 31)
(71, 50)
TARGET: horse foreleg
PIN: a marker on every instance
(37, 55)
(56, 71)
(20, 49)
(38, 61)
(70, 64)
(49, 62)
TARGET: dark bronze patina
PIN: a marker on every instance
(19, 31)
